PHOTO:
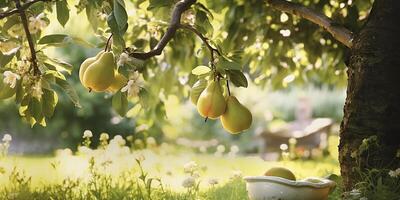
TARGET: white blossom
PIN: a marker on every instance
(36, 23)
(133, 85)
(123, 59)
(189, 182)
(236, 174)
(221, 148)
(394, 173)
(151, 141)
(87, 134)
(213, 181)
(190, 167)
(11, 78)
(104, 136)
(7, 138)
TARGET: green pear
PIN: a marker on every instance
(5, 90)
(197, 89)
(100, 74)
(85, 64)
(281, 172)
(237, 117)
(211, 102)
(119, 82)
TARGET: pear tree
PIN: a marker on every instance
(159, 47)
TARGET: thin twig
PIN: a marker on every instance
(339, 32)
(179, 8)
(23, 7)
(34, 64)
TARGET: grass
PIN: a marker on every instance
(153, 173)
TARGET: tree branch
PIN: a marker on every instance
(33, 60)
(23, 7)
(339, 32)
(179, 8)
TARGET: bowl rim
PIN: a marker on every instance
(300, 183)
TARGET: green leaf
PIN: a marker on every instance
(158, 4)
(121, 17)
(63, 39)
(55, 39)
(120, 103)
(49, 102)
(227, 64)
(8, 56)
(60, 65)
(117, 36)
(197, 89)
(69, 90)
(91, 14)
(237, 78)
(62, 12)
(35, 109)
(200, 70)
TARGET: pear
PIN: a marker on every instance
(197, 89)
(119, 82)
(281, 172)
(100, 74)
(211, 102)
(237, 117)
(85, 64)
(5, 90)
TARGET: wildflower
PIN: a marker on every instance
(394, 173)
(133, 85)
(11, 78)
(36, 23)
(236, 174)
(195, 175)
(190, 167)
(87, 134)
(189, 182)
(151, 141)
(213, 181)
(203, 149)
(104, 136)
(123, 59)
(221, 148)
(234, 149)
(7, 138)
(37, 90)
(118, 140)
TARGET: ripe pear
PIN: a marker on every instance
(211, 102)
(85, 64)
(119, 82)
(281, 172)
(197, 89)
(237, 117)
(5, 90)
(100, 74)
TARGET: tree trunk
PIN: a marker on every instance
(372, 105)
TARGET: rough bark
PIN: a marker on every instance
(373, 95)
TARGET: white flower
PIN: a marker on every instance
(203, 149)
(7, 138)
(394, 173)
(213, 181)
(196, 175)
(104, 137)
(234, 149)
(190, 167)
(118, 140)
(236, 174)
(36, 23)
(151, 141)
(37, 90)
(221, 148)
(189, 182)
(133, 85)
(87, 134)
(123, 59)
(11, 78)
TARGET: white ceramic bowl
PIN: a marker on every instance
(276, 188)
